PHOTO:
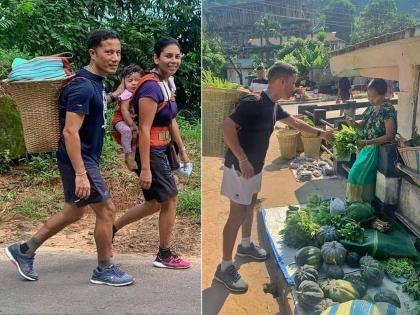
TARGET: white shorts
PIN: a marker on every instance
(239, 189)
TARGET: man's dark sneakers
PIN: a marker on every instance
(112, 276)
(23, 263)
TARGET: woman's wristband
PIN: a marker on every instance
(243, 160)
(183, 149)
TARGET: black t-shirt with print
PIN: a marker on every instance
(255, 118)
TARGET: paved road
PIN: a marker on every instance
(64, 287)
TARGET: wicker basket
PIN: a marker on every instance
(299, 145)
(36, 102)
(217, 105)
(311, 146)
(287, 142)
(411, 158)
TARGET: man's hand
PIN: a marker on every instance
(350, 121)
(145, 179)
(328, 135)
(361, 144)
(82, 186)
(247, 170)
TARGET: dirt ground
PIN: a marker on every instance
(278, 188)
(139, 237)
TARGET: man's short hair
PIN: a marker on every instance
(96, 37)
(280, 69)
(260, 68)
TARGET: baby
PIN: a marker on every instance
(123, 122)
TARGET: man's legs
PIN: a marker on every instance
(22, 255)
(106, 273)
(249, 219)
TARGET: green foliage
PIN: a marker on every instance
(36, 27)
(379, 17)
(213, 59)
(189, 202)
(305, 54)
(398, 267)
(41, 168)
(342, 11)
(39, 206)
(412, 286)
(6, 162)
(212, 81)
(345, 142)
(11, 132)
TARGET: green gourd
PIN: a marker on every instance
(358, 282)
(387, 295)
(372, 273)
(307, 272)
(309, 294)
(365, 259)
(309, 255)
(333, 271)
(333, 253)
(327, 233)
(352, 259)
(360, 212)
(341, 291)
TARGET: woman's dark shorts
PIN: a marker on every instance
(163, 181)
(98, 189)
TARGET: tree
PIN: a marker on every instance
(44, 27)
(213, 59)
(339, 16)
(264, 29)
(379, 17)
(305, 55)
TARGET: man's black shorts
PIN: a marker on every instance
(163, 182)
(98, 188)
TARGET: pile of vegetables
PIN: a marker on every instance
(345, 142)
(313, 225)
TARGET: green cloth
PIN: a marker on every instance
(374, 123)
(361, 181)
(395, 243)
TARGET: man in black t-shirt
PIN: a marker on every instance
(83, 104)
(260, 83)
(247, 132)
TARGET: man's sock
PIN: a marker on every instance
(30, 246)
(164, 253)
(246, 242)
(225, 264)
(103, 264)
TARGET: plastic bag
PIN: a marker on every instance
(337, 205)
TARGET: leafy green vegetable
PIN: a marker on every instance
(412, 286)
(345, 142)
(300, 230)
(399, 267)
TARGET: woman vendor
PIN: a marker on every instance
(378, 126)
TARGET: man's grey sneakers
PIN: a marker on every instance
(23, 263)
(112, 276)
(231, 279)
(252, 251)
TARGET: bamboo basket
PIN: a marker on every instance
(217, 103)
(312, 146)
(411, 158)
(287, 142)
(299, 145)
(37, 104)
